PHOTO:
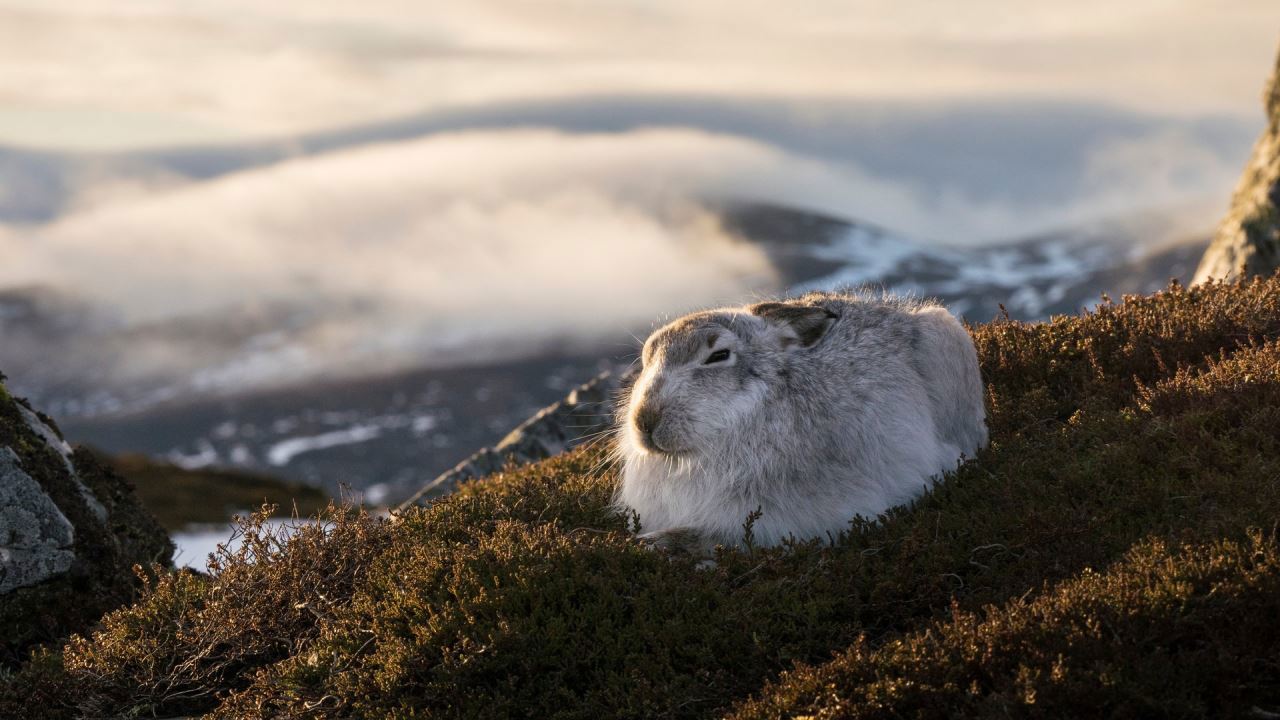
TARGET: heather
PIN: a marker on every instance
(1112, 553)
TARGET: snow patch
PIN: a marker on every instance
(204, 456)
(195, 543)
(868, 256)
(282, 452)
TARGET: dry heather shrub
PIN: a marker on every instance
(1150, 424)
(194, 638)
(1188, 632)
(1042, 372)
(1047, 502)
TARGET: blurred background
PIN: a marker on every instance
(350, 243)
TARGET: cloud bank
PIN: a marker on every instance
(455, 247)
(440, 250)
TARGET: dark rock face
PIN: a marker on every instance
(70, 533)
(1248, 241)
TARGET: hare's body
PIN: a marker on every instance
(812, 411)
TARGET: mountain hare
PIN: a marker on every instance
(811, 410)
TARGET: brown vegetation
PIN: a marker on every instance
(1113, 553)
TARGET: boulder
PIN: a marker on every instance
(1247, 242)
(71, 532)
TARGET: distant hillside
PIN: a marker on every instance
(390, 434)
(1030, 278)
(179, 497)
(1113, 553)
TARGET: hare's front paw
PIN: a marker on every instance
(681, 541)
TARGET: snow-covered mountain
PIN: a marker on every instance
(1030, 278)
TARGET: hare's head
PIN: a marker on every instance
(705, 373)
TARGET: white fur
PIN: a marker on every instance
(863, 420)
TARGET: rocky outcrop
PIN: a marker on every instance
(70, 533)
(586, 413)
(1248, 240)
(38, 539)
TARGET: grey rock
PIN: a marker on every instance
(35, 537)
(584, 414)
(1248, 240)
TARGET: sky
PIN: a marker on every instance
(407, 180)
(98, 74)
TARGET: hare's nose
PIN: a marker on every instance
(647, 419)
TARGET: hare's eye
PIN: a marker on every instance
(717, 356)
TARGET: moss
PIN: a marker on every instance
(1133, 450)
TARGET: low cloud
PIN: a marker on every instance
(410, 254)
(460, 246)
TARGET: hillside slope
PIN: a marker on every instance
(1113, 553)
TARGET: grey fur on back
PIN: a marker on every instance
(828, 406)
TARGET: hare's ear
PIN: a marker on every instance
(802, 325)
